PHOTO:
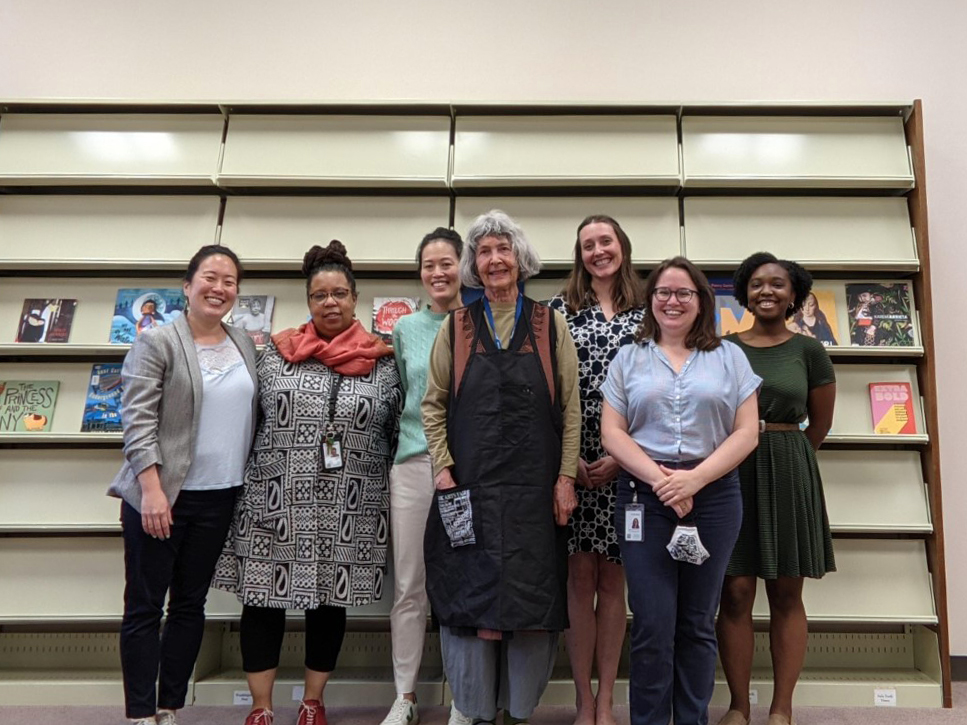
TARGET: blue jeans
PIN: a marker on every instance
(673, 645)
(182, 568)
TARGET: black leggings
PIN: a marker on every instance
(263, 628)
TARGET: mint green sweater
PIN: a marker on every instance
(413, 339)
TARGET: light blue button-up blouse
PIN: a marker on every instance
(680, 416)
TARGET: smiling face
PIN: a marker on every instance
(332, 302)
(674, 317)
(600, 251)
(770, 292)
(212, 290)
(440, 274)
(497, 265)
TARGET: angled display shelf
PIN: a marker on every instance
(337, 151)
(821, 233)
(875, 492)
(853, 419)
(876, 581)
(379, 232)
(63, 491)
(550, 223)
(109, 149)
(97, 233)
(795, 153)
(548, 151)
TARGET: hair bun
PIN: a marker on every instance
(334, 253)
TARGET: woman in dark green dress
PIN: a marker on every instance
(785, 531)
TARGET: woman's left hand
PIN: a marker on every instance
(565, 500)
(603, 471)
(679, 484)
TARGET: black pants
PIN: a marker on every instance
(181, 567)
(673, 645)
(263, 628)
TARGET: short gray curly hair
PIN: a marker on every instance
(496, 223)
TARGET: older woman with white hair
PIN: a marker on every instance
(502, 420)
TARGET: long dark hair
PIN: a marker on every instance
(627, 291)
(325, 259)
(702, 336)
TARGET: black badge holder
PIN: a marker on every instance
(332, 458)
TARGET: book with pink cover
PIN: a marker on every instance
(892, 408)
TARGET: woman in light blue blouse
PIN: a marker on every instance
(411, 478)
(680, 413)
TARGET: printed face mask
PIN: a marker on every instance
(686, 545)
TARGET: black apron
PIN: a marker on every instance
(504, 432)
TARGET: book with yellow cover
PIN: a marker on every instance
(892, 407)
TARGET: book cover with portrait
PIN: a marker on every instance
(27, 406)
(140, 309)
(45, 320)
(818, 317)
(892, 408)
(253, 315)
(387, 311)
(880, 315)
(102, 409)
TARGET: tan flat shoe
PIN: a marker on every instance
(781, 720)
(734, 717)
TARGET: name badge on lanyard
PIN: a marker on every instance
(332, 459)
(634, 519)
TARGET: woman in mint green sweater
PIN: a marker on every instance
(411, 478)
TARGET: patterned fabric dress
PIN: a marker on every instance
(304, 536)
(597, 341)
(785, 529)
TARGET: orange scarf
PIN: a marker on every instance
(352, 352)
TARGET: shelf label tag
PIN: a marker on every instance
(753, 697)
(298, 692)
(885, 697)
(242, 697)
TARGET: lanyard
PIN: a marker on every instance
(490, 319)
(333, 393)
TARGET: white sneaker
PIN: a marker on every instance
(167, 717)
(144, 721)
(403, 712)
(457, 717)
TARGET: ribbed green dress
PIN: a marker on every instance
(785, 529)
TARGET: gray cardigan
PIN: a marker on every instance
(161, 405)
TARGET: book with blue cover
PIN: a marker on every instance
(102, 411)
(140, 309)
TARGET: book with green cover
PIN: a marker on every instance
(27, 406)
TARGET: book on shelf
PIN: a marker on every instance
(879, 314)
(46, 320)
(730, 316)
(892, 408)
(140, 309)
(102, 410)
(388, 310)
(818, 318)
(27, 405)
(253, 315)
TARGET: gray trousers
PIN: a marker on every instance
(509, 674)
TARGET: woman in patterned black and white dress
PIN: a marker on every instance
(603, 303)
(311, 529)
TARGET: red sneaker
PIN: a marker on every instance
(311, 712)
(260, 717)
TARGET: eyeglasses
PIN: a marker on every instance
(339, 295)
(682, 294)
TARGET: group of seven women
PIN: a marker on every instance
(528, 461)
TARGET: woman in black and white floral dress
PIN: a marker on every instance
(603, 303)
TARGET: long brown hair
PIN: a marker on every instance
(626, 290)
(702, 336)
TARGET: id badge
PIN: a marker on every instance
(634, 522)
(332, 452)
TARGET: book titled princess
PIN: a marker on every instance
(892, 407)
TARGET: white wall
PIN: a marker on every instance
(547, 50)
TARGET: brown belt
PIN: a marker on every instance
(763, 426)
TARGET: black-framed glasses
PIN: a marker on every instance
(340, 295)
(682, 294)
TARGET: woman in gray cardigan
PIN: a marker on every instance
(188, 409)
